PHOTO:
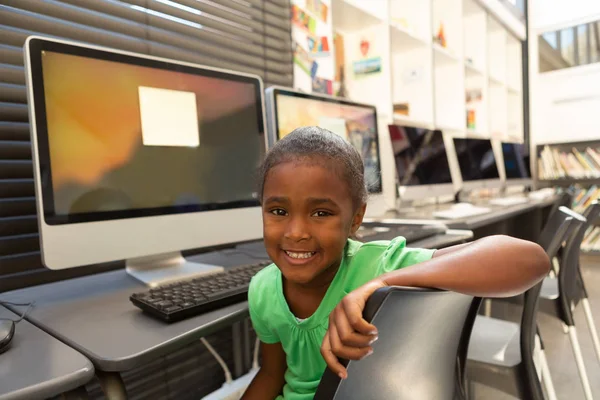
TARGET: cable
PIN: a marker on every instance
(255, 358)
(228, 378)
(23, 314)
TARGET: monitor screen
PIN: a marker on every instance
(420, 156)
(124, 137)
(516, 162)
(356, 122)
(476, 159)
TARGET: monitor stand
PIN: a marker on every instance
(165, 268)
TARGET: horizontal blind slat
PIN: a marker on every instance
(59, 28)
(254, 12)
(16, 169)
(254, 31)
(20, 262)
(95, 19)
(10, 150)
(12, 93)
(13, 112)
(17, 206)
(16, 188)
(10, 226)
(122, 10)
(14, 131)
(12, 74)
(19, 244)
(11, 55)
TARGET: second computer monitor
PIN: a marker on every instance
(516, 164)
(477, 163)
(288, 109)
(421, 162)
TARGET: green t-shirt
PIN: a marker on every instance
(274, 322)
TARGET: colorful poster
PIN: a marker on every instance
(303, 20)
(367, 66)
(318, 8)
(320, 85)
(303, 59)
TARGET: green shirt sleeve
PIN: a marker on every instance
(258, 306)
(397, 255)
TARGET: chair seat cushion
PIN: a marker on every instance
(495, 341)
(549, 289)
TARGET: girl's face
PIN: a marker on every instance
(308, 215)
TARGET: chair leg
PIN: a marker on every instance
(546, 378)
(590, 321)
(580, 365)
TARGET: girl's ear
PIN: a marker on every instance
(358, 218)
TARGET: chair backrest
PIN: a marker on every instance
(569, 281)
(421, 334)
(558, 228)
(565, 199)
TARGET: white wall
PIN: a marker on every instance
(568, 105)
(550, 15)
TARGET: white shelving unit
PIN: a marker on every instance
(469, 83)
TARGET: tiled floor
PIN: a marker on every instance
(558, 346)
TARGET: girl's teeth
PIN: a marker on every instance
(300, 255)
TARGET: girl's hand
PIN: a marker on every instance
(349, 336)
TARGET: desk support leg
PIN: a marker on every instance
(238, 361)
(112, 385)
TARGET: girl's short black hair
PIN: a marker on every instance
(315, 144)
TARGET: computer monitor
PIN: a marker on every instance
(421, 163)
(516, 164)
(137, 158)
(288, 109)
(477, 163)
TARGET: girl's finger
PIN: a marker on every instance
(353, 311)
(345, 352)
(346, 333)
(332, 361)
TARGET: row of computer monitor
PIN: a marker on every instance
(137, 158)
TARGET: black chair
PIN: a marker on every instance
(565, 199)
(559, 296)
(501, 353)
(421, 351)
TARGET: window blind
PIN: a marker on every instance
(252, 36)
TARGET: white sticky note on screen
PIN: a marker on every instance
(169, 117)
(335, 125)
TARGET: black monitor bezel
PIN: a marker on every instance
(454, 139)
(35, 48)
(329, 99)
(514, 144)
(434, 132)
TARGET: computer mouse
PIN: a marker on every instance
(462, 205)
(7, 331)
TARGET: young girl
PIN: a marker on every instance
(307, 306)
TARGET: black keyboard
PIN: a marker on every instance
(189, 298)
(412, 233)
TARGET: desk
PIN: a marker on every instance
(93, 314)
(37, 366)
(520, 220)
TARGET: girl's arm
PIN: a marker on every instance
(268, 382)
(495, 266)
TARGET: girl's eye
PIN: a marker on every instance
(279, 212)
(321, 214)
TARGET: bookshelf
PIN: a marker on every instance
(445, 64)
(569, 163)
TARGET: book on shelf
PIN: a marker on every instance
(583, 197)
(591, 240)
(554, 163)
